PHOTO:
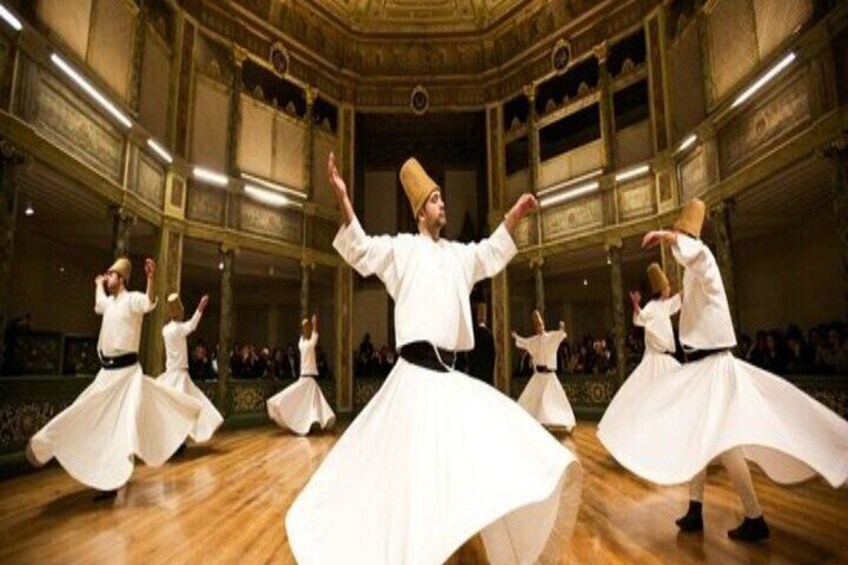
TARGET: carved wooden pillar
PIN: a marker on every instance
(618, 314)
(343, 367)
(227, 329)
(308, 141)
(168, 274)
(720, 216)
(305, 272)
(122, 223)
(539, 284)
(500, 283)
(11, 160)
(605, 108)
(837, 152)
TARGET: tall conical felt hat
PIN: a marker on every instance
(416, 183)
(537, 316)
(659, 282)
(123, 267)
(175, 306)
(691, 218)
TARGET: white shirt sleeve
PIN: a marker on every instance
(369, 255)
(140, 304)
(694, 255)
(186, 328)
(521, 342)
(489, 257)
(673, 304)
(643, 317)
(313, 339)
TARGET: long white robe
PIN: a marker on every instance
(176, 376)
(302, 404)
(718, 403)
(435, 457)
(614, 429)
(543, 397)
(123, 414)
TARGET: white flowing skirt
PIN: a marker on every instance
(122, 414)
(433, 459)
(626, 405)
(210, 419)
(545, 399)
(708, 407)
(300, 405)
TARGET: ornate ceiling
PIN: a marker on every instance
(421, 16)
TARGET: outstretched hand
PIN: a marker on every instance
(149, 267)
(525, 204)
(201, 306)
(656, 237)
(337, 183)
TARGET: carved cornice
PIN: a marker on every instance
(458, 70)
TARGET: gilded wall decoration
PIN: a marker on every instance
(175, 245)
(524, 234)
(184, 97)
(61, 116)
(636, 199)
(694, 179)
(770, 122)
(149, 181)
(323, 233)
(572, 217)
(419, 100)
(278, 223)
(205, 204)
(657, 92)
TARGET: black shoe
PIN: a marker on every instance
(105, 495)
(751, 529)
(692, 521)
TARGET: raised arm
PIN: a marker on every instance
(638, 313)
(99, 295)
(368, 255)
(314, 338)
(520, 342)
(337, 184)
(192, 323)
(145, 302)
(492, 255)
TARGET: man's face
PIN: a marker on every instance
(666, 292)
(113, 282)
(433, 212)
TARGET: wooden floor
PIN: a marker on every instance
(225, 504)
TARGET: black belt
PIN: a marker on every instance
(543, 369)
(424, 355)
(698, 354)
(119, 362)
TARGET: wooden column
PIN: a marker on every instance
(227, 329)
(618, 314)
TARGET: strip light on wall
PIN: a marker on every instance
(773, 72)
(161, 151)
(265, 196)
(273, 186)
(90, 90)
(687, 143)
(633, 173)
(570, 182)
(10, 18)
(210, 177)
(576, 192)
